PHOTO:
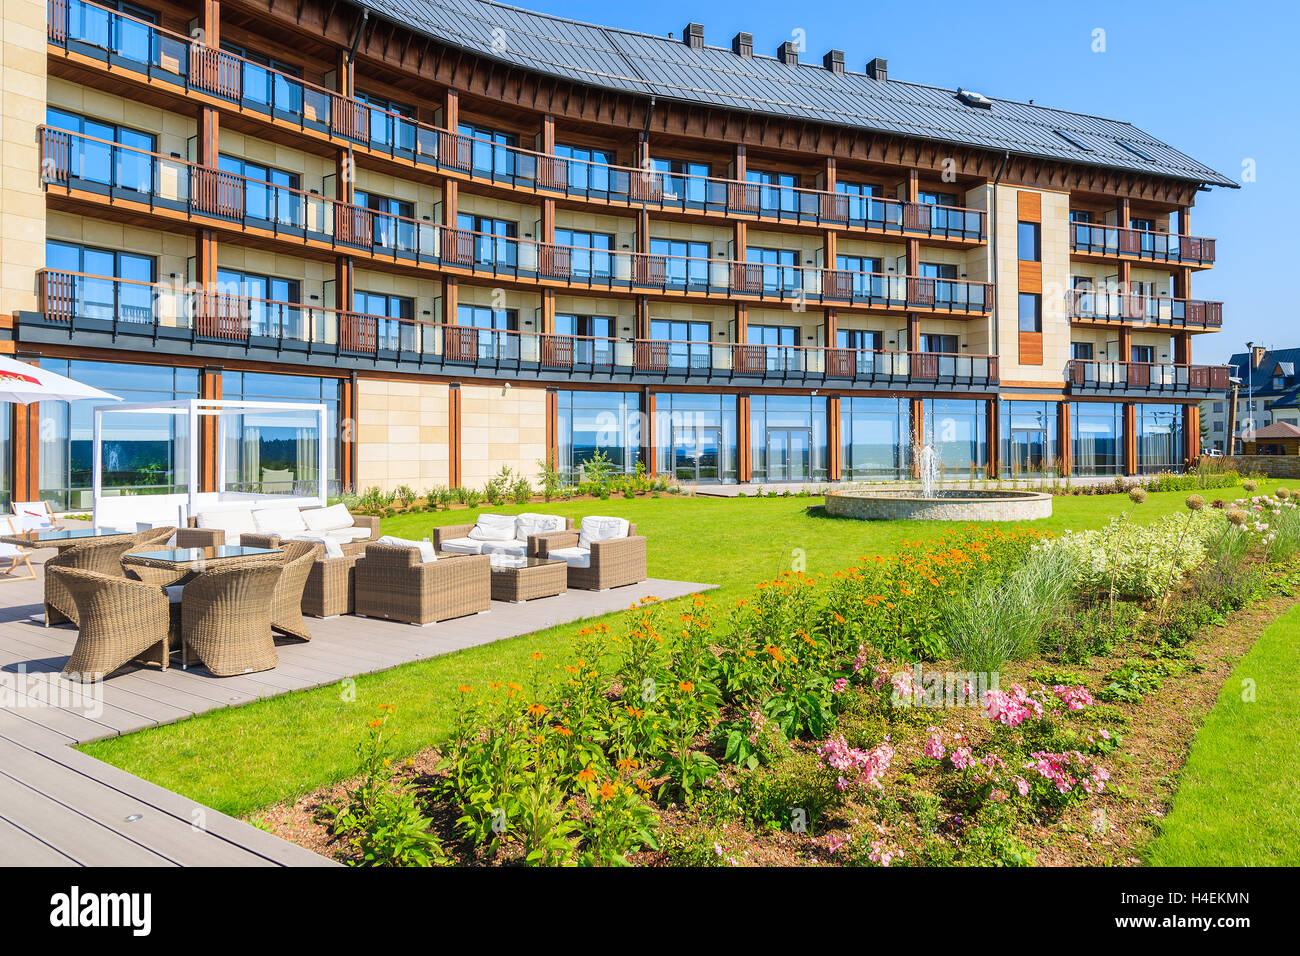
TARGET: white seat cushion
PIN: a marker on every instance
(282, 521)
(518, 549)
(573, 557)
(233, 522)
(463, 546)
(427, 552)
(530, 523)
(493, 528)
(599, 528)
(333, 518)
(333, 547)
(348, 534)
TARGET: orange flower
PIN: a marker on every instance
(587, 775)
(387, 707)
(608, 791)
(535, 655)
(627, 763)
(564, 731)
(634, 711)
(536, 710)
(686, 686)
(466, 688)
(642, 785)
(375, 723)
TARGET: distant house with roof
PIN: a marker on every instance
(1268, 394)
(1280, 438)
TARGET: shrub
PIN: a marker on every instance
(521, 490)
(797, 788)
(551, 481)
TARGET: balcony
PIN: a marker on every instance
(1086, 376)
(1109, 242)
(101, 38)
(120, 313)
(1159, 310)
(135, 181)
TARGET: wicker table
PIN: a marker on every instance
(180, 565)
(533, 578)
(61, 539)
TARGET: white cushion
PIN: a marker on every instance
(518, 549)
(494, 528)
(500, 560)
(333, 548)
(233, 522)
(427, 552)
(573, 557)
(9, 550)
(281, 521)
(349, 534)
(530, 523)
(333, 518)
(598, 528)
(463, 546)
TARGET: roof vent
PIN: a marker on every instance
(834, 61)
(742, 44)
(878, 69)
(693, 36)
(971, 98)
(788, 53)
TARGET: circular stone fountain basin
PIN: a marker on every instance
(947, 505)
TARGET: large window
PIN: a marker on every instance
(695, 437)
(1029, 439)
(591, 422)
(866, 275)
(270, 193)
(593, 343)
(875, 436)
(588, 168)
(97, 27)
(687, 263)
(6, 463)
(683, 180)
(957, 431)
(781, 343)
(494, 242)
(1029, 242)
(777, 191)
(1031, 312)
(394, 219)
(492, 150)
(787, 438)
(1160, 438)
(688, 342)
(95, 160)
(272, 303)
(590, 253)
(389, 124)
(1097, 430)
(265, 80)
(394, 325)
(143, 454)
(497, 327)
(102, 298)
(273, 454)
(780, 268)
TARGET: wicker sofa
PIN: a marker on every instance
(604, 553)
(269, 526)
(393, 583)
(508, 535)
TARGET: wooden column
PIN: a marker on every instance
(740, 240)
(25, 422)
(450, 208)
(552, 428)
(913, 264)
(744, 464)
(209, 151)
(1183, 348)
(993, 434)
(830, 253)
(1130, 438)
(344, 190)
(918, 432)
(834, 440)
(546, 226)
(1191, 433)
(210, 388)
(454, 475)
(1065, 437)
(650, 434)
(1123, 217)
(1126, 343)
(348, 434)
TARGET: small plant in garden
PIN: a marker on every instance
(552, 483)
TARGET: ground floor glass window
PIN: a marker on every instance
(1160, 438)
(695, 437)
(591, 422)
(876, 437)
(787, 438)
(957, 431)
(1097, 431)
(1028, 436)
(274, 454)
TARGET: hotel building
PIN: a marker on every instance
(486, 237)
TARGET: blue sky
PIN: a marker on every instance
(1217, 81)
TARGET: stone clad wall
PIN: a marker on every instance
(974, 506)
(1275, 466)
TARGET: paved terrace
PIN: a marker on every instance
(59, 807)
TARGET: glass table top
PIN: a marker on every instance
(51, 535)
(216, 553)
(502, 562)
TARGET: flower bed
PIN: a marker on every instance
(834, 718)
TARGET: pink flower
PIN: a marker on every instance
(961, 758)
(864, 766)
(834, 842)
(1074, 698)
(882, 853)
(934, 745)
(1011, 709)
(840, 685)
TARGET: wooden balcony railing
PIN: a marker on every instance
(1145, 309)
(1102, 240)
(127, 45)
(1101, 375)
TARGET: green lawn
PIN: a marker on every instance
(243, 758)
(1236, 804)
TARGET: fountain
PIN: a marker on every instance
(935, 503)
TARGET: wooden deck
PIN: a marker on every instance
(59, 807)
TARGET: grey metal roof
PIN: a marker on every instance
(669, 69)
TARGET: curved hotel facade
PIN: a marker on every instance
(486, 237)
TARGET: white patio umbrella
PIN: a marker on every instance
(23, 384)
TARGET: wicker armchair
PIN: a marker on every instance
(331, 586)
(614, 563)
(121, 619)
(392, 584)
(286, 606)
(451, 532)
(154, 537)
(226, 619)
(103, 556)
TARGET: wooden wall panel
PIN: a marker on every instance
(1031, 348)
